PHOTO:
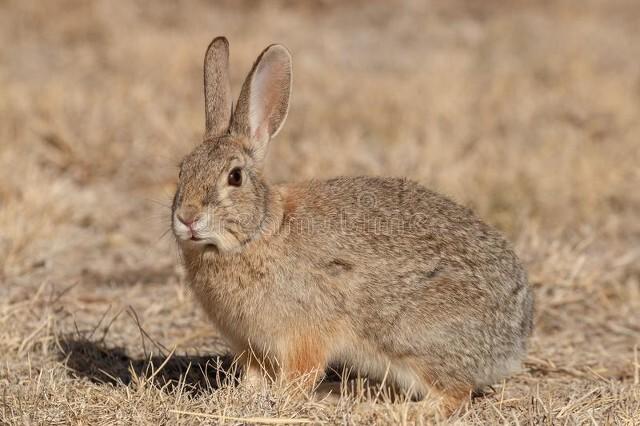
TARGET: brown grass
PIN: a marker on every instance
(530, 113)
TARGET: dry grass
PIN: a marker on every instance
(530, 113)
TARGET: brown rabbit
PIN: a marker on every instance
(380, 274)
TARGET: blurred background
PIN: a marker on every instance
(527, 111)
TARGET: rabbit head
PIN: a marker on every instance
(222, 198)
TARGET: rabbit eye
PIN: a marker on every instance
(235, 177)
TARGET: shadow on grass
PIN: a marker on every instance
(111, 365)
(194, 374)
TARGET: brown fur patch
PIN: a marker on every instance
(306, 354)
(290, 200)
(454, 392)
(453, 399)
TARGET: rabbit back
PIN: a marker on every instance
(418, 274)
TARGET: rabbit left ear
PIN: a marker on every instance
(217, 89)
(264, 99)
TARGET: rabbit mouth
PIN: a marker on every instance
(202, 241)
(205, 243)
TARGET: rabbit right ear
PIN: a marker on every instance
(217, 88)
(264, 99)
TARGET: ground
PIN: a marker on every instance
(528, 112)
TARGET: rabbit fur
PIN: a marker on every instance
(380, 274)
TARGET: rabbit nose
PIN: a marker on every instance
(188, 221)
(188, 215)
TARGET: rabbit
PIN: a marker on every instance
(379, 274)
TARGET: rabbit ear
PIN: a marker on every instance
(264, 99)
(217, 88)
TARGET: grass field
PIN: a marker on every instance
(528, 112)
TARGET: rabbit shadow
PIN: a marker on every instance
(194, 374)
